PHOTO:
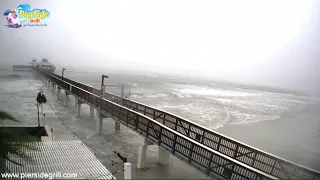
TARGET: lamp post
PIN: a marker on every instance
(102, 83)
(63, 69)
(44, 120)
(38, 113)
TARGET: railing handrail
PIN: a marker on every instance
(274, 157)
(169, 129)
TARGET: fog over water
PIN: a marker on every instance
(274, 42)
(249, 68)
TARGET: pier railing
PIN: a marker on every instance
(21, 68)
(205, 159)
(239, 151)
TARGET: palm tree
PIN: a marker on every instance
(12, 142)
(41, 99)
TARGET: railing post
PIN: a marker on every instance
(127, 170)
(174, 143)
(219, 142)
(103, 91)
(137, 121)
(159, 137)
(202, 138)
(122, 95)
(116, 123)
(147, 132)
(127, 117)
(101, 96)
(190, 153)
(236, 151)
(209, 164)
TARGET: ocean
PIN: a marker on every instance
(208, 103)
(285, 123)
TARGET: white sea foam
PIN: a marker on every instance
(215, 107)
(150, 95)
(205, 91)
(232, 108)
(158, 95)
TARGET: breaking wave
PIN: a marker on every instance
(215, 107)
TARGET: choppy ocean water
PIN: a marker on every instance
(282, 122)
(207, 103)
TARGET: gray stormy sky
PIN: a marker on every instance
(271, 42)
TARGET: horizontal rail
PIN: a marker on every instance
(207, 160)
(263, 161)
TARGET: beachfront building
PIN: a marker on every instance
(33, 63)
(46, 65)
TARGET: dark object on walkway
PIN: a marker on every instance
(41, 99)
(124, 159)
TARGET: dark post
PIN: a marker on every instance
(38, 114)
(123, 159)
(102, 83)
(63, 69)
(44, 119)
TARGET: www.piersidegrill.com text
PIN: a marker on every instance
(56, 175)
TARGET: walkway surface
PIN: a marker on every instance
(58, 160)
(125, 142)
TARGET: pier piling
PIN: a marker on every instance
(78, 103)
(163, 156)
(100, 123)
(59, 91)
(92, 111)
(142, 154)
(66, 99)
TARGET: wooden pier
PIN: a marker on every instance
(21, 68)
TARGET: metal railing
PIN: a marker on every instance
(205, 159)
(239, 151)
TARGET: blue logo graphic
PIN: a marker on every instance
(23, 13)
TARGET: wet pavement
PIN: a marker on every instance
(19, 98)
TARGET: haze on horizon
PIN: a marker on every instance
(264, 42)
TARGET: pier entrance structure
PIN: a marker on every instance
(210, 152)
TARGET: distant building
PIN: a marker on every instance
(33, 63)
(45, 65)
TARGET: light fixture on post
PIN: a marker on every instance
(63, 69)
(102, 84)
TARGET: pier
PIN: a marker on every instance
(21, 68)
(212, 153)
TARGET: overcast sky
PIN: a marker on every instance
(273, 42)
